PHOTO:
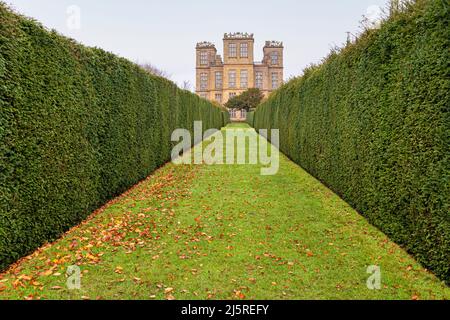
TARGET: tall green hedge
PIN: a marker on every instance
(250, 118)
(78, 126)
(373, 123)
(226, 117)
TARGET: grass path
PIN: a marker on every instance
(223, 232)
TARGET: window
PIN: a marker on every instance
(244, 79)
(232, 79)
(204, 57)
(203, 81)
(274, 58)
(244, 50)
(218, 97)
(232, 50)
(204, 95)
(259, 80)
(219, 80)
(232, 95)
(274, 80)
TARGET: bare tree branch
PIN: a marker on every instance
(154, 70)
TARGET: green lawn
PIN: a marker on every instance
(223, 232)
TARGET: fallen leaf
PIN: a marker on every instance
(168, 290)
(47, 273)
(92, 257)
(17, 283)
(73, 244)
(240, 295)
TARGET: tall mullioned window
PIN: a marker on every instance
(203, 81)
(232, 79)
(244, 50)
(204, 57)
(274, 58)
(232, 95)
(274, 80)
(259, 80)
(232, 50)
(244, 79)
(218, 97)
(219, 80)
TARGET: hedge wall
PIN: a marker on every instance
(226, 117)
(250, 118)
(78, 126)
(373, 123)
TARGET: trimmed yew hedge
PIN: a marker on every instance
(250, 118)
(373, 123)
(226, 117)
(78, 126)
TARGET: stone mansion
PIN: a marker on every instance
(219, 80)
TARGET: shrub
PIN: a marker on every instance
(250, 118)
(247, 100)
(373, 123)
(78, 126)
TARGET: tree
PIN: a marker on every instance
(248, 100)
(154, 70)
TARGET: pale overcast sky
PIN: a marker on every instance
(165, 32)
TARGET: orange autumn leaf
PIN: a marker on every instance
(47, 273)
(17, 283)
(73, 244)
(240, 295)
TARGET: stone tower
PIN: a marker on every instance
(219, 80)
